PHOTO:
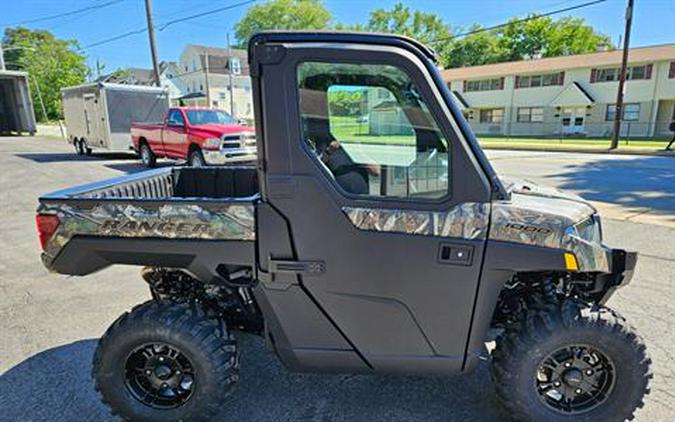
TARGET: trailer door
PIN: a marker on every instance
(93, 122)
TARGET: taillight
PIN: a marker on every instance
(46, 226)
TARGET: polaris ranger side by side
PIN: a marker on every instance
(372, 237)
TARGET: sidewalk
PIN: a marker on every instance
(584, 146)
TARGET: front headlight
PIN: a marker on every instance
(589, 229)
(212, 142)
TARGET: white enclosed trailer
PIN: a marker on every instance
(99, 115)
(16, 107)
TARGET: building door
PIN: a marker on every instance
(573, 120)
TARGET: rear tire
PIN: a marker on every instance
(166, 362)
(568, 362)
(196, 158)
(148, 157)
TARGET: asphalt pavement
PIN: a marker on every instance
(49, 323)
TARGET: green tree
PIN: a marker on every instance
(282, 14)
(345, 103)
(473, 50)
(545, 37)
(51, 63)
(425, 27)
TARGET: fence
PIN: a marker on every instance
(638, 133)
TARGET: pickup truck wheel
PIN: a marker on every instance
(568, 362)
(166, 361)
(196, 159)
(147, 156)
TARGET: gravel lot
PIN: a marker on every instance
(49, 324)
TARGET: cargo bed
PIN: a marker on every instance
(162, 217)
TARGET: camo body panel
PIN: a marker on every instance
(466, 221)
(553, 216)
(231, 221)
(547, 220)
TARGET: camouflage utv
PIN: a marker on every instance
(372, 237)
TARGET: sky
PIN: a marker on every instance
(652, 21)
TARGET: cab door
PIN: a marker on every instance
(174, 135)
(386, 207)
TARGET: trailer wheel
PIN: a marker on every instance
(568, 362)
(147, 156)
(166, 361)
(196, 158)
(79, 149)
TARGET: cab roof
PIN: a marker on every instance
(338, 36)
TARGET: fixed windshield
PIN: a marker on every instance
(207, 117)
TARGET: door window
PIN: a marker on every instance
(175, 118)
(369, 126)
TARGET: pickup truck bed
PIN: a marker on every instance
(174, 217)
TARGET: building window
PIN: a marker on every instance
(236, 66)
(534, 81)
(492, 115)
(484, 85)
(607, 75)
(221, 95)
(671, 71)
(530, 114)
(201, 87)
(631, 112)
(614, 73)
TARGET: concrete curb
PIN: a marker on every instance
(656, 153)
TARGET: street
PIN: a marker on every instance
(49, 323)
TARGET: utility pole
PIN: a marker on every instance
(622, 77)
(151, 35)
(229, 75)
(2, 59)
(206, 76)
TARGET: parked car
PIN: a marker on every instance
(201, 136)
(98, 116)
(340, 267)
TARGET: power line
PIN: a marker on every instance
(208, 12)
(64, 14)
(529, 18)
(165, 25)
(115, 38)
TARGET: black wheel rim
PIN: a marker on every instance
(575, 379)
(159, 375)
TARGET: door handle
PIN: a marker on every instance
(455, 254)
(296, 267)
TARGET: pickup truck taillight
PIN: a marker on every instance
(46, 226)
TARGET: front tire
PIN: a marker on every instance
(564, 362)
(196, 158)
(166, 362)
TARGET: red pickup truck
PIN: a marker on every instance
(201, 136)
